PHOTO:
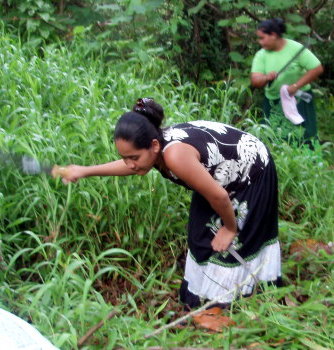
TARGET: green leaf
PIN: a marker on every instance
(140, 232)
(161, 307)
(32, 25)
(177, 48)
(40, 3)
(45, 33)
(136, 6)
(243, 19)
(45, 16)
(120, 19)
(34, 41)
(236, 56)
(241, 4)
(132, 302)
(207, 75)
(173, 27)
(18, 222)
(312, 345)
(112, 7)
(113, 251)
(153, 4)
(293, 17)
(302, 29)
(280, 4)
(58, 25)
(224, 22)
(197, 8)
(78, 30)
(143, 56)
(23, 7)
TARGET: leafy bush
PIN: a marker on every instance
(207, 39)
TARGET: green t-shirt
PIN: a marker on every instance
(266, 61)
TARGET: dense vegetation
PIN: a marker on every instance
(208, 40)
(72, 254)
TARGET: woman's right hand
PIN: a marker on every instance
(223, 239)
(70, 173)
(271, 76)
(260, 80)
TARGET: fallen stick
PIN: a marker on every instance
(178, 348)
(82, 341)
(181, 319)
(192, 313)
(187, 348)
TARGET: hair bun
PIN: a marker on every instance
(147, 107)
(281, 24)
(273, 25)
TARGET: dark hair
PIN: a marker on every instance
(274, 25)
(142, 125)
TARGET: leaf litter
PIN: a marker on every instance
(213, 319)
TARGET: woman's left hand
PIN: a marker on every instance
(223, 239)
(292, 89)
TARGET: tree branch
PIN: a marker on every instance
(318, 36)
(204, 307)
(311, 12)
(251, 15)
(318, 7)
(215, 9)
(82, 341)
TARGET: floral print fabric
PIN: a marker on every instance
(231, 156)
(241, 164)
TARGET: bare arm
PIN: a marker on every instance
(259, 80)
(184, 161)
(307, 78)
(116, 168)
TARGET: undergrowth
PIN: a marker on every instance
(71, 254)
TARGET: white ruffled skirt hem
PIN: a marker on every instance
(224, 284)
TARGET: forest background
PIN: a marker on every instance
(71, 255)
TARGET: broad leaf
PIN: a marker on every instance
(197, 8)
(236, 56)
(213, 319)
(243, 19)
(225, 22)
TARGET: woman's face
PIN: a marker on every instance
(267, 41)
(141, 160)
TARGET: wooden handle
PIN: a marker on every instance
(59, 171)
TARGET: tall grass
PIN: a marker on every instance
(71, 254)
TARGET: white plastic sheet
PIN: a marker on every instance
(17, 334)
(289, 106)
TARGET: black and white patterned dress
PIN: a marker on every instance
(241, 164)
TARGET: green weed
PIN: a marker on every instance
(71, 254)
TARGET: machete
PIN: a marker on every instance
(231, 249)
(290, 61)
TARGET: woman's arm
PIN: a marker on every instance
(259, 80)
(307, 78)
(184, 161)
(72, 173)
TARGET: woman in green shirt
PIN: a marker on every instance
(304, 68)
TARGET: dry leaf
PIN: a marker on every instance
(289, 302)
(303, 247)
(95, 217)
(213, 319)
(278, 343)
(254, 346)
(259, 346)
